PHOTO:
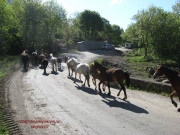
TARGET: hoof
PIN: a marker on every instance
(124, 98)
(178, 110)
(175, 104)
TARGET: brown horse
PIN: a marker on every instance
(40, 58)
(112, 75)
(174, 78)
(96, 75)
(59, 60)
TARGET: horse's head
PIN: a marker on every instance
(97, 65)
(66, 59)
(51, 55)
(159, 72)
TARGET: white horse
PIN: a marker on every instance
(82, 68)
(53, 61)
(71, 64)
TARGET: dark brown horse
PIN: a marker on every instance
(174, 78)
(112, 75)
(44, 64)
(25, 60)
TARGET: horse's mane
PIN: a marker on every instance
(100, 66)
(170, 71)
(75, 60)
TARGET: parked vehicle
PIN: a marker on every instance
(108, 47)
(128, 44)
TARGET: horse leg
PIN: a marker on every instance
(109, 93)
(104, 86)
(75, 76)
(99, 87)
(80, 77)
(125, 95)
(171, 96)
(69, 71)
(120, 89)
(53, 67)
(24, 64)
(94, 82)
(88, 80)
(56, 66)
(85, 81)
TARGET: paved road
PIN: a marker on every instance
(81, 110)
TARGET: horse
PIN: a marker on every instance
(174, 78)
(81, 68)
(53, 61)
(34, 58)
(25, 60)
(112, 75)
(45, 64)
(40, 58)
(59, 60)
(70, 64)
(96, 75)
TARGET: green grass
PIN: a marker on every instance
(3, 125)
(3, 130)
(100, 60)
(3, 75)
(6, 63)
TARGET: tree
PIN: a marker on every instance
(90, 23)
(6, 27)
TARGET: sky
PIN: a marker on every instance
(119, 12)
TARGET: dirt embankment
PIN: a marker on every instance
(139, 80)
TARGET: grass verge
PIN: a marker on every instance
(6, 64)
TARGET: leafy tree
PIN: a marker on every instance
(90, 23)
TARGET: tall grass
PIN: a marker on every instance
(6, 63)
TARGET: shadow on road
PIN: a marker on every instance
(54, 73)
(45, 74)
(125, 105)
(86, 89)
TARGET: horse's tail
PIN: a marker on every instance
(127, 79)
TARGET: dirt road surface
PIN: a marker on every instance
(78, 110)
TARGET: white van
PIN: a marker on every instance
(128, 44)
